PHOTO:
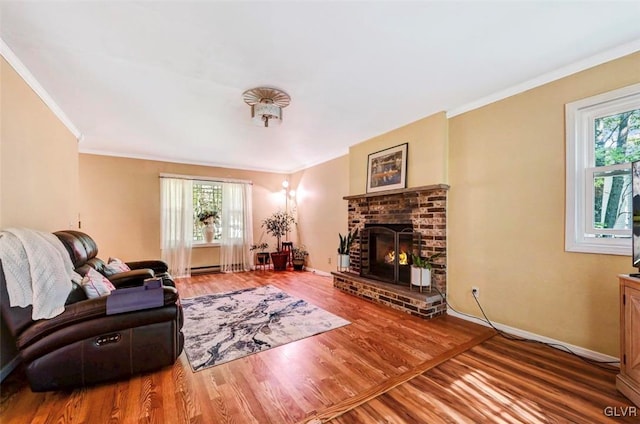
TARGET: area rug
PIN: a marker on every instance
(221, 327)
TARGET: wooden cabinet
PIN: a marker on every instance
(628, 381)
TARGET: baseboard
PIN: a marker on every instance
(318, 272)
(6, 370)
(586, 353)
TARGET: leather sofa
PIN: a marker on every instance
(84, 345)
(83, 251)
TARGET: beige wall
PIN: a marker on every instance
(506, 216)
(120, 205)
(505, 163)
(427, 153)
(38, 168)
(39, 161)
(321, 211)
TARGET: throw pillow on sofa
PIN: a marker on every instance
(96, 284)
(115, 266)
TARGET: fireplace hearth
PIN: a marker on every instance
(392, 225)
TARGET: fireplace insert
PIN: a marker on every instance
(385, 252)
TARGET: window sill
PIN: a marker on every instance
(621, 247)
(201, 244)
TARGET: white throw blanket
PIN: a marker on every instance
(38, 271)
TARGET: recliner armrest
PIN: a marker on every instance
(148, 296)
(156, 265)
(132, 278)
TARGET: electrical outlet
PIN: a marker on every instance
(329, 260)
(475, 291)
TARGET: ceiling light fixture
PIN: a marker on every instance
(266, 104)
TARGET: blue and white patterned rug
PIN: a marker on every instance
(221, 327)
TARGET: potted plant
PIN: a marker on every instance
(208, 218)
(421, 269)
(278, 225)
(299, 255)
(262, 257)
(344, 249)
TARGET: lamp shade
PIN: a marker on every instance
(266, 113)
(266, 104)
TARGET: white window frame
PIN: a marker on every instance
(580, 138)
(203, 243)
(196, 178)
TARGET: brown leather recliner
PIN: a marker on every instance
(83, 251)
(84, 345)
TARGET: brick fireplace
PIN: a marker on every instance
(425, 209)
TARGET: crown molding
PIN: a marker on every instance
(565, 71)
(28, 77)
(155, 158)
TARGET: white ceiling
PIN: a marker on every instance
(164, 80)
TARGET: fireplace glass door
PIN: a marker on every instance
(386, 253)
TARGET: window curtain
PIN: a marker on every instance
(176, 200)
(237, 228)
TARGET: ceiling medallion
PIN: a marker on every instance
(266, 104)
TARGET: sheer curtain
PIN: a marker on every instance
(176, 206)
(237, 228)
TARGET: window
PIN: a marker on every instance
(207, 197)
(603, 138)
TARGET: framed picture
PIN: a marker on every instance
(387, 169)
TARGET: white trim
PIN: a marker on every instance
(204, 178)
(6, 370)
(598, 99)
(28, 77)
(579, 118)
(620, 170)
(565, 71)
(586, 353)
(174, 160)
(586, 246)
(99, 152)
(318, 272)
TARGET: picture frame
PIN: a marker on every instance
(387, 169)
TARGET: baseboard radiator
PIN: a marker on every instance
(208, 269)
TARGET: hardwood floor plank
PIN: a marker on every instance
(381, 348)
(545, 379)
(375, 391)
(550, 360)
(109, 407)
(185, 397)
(503, 381)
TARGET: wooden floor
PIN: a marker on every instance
(385, 367)
(502, 381)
